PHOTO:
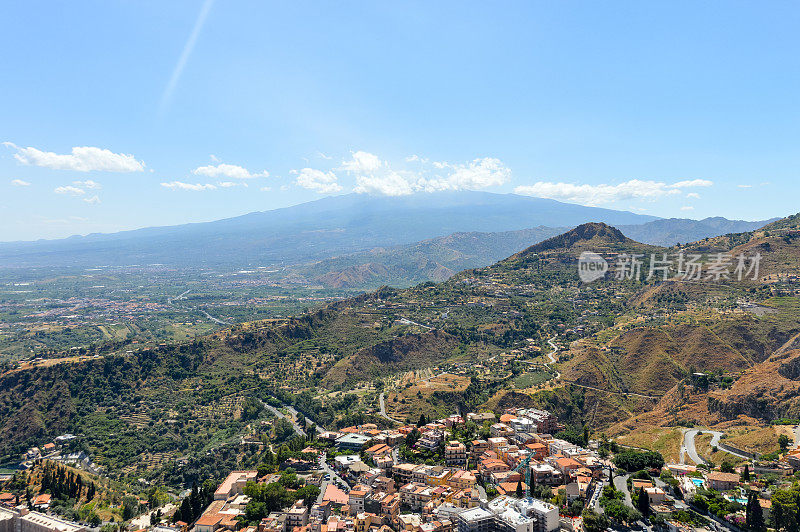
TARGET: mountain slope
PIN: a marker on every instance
(311, 231)
(672, 231)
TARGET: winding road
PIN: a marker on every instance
(688, 447)
(382, 412)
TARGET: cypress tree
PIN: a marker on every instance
(643, 503)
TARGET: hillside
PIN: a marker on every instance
(312, 231)
(619, 337)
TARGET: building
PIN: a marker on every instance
(234, 484)
(480, 417)
(475, 520)
(25, 521)
(478, 448)
(655, 495)
(719, 481)
(208, 523)
(297, 515)
(352, 442)
(455, 453)
(357, 496)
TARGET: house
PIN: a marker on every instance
(377, 450)
(655, 495)
(335, 496)
(455, 453)
(234, 484)
(478, 448)
(716, 480)
(297, 515)
(356, 499)
(208, 523)
(352, 442)
(41, 501)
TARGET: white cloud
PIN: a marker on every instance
(69, 189)
(476, 175)
(214, 158)
(390, 184)
(375, 176)
(687, 208)
(745, 186)
(265, 189)
(81, 159)
(362, 163)
(20, 183)
(318, 181)
(87, 184)
(178, 185)
(693, 195)
(690, 183)
(94, 200)
(231, 171)
(604, 193)
(229, 184)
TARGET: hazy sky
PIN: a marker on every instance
(122, 114)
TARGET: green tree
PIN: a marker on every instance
(783, 442)
(754, 517)
(784, 509)
(746, 473)
(643, 503)
(130, 507)
(594, 522)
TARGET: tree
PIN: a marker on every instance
(643, 503)
(130, 507)
(422, 420)
(519, 490)
(726, 466)
(746, 473)
(754, 517)
(594, 522)
(785, 508)
(783, 442)
(631, 460)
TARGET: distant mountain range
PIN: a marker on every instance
(439, 258)
(358, 241)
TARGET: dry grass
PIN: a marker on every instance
(414, 400)
(665, 440)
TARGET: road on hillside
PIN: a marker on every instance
(551, 356)
(382, 411)
(335, 478)
(621, 484)
(688, 447)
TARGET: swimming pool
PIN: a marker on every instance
(698, 482)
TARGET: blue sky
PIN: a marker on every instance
(671, 109)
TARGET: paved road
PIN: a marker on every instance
(406, 321)
(143, 521)
(297, 428)
(621, 484)
(171, 301)
(382, 411)
(309, 421)
(551, 356)
(688, 447)
(323, 464)
(796, 431)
